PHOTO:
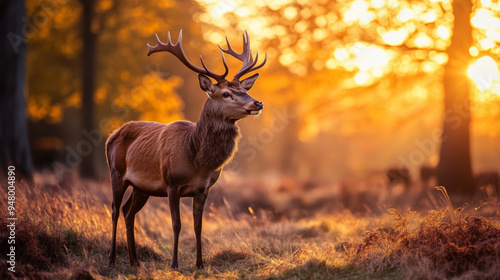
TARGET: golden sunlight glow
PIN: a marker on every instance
(485, 19)
(341, 54)
(362, 78)
(288, 57)
(439, 57)
(484, 72)
(358, 11)
(473, 51)
(429, 17)
(486, 43)
(371, 61)
(443, 32)
(405, 15)
(422, 41)
(486, 3)
(331, 63)
(369, 57)
(395, 37)
(367, 62)
(243, 12)
(290, 12)
(301, 26)
(221, 8)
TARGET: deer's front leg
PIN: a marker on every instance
(198, 204)
(173, 201)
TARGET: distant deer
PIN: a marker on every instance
(491, 178)
(181, 159)
(398, 175)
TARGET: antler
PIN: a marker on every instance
(245, 56)
(177, 50)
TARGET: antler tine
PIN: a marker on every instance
(178, 51)
(223, 62)
(246, 43)
(245, 56)
(260, 65)
(232, 52)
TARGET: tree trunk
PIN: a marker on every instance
(14, 148)
(87, 168)
(454, 170)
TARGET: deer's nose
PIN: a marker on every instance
(259, 105)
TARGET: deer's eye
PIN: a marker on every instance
(225, 95)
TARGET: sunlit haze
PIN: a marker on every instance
(366, 73)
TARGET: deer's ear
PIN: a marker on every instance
(206, 84)
(248, 82)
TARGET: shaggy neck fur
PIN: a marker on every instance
(214, 139)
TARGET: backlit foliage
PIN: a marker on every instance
(442, 249)
(125, 77)
(388, 52)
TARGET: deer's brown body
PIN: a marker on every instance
(181, 159)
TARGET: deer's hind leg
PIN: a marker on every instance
(133, 205)
(119, 186)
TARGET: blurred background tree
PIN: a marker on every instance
(454, 169)
(120, 85)
(14, 147)
(352, 87)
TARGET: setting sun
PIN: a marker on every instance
(484, 72)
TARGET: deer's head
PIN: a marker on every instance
(231, 97)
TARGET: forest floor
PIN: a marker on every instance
(267, 228)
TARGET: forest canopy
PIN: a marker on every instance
(364, 77)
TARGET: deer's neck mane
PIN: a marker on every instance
(214, 139)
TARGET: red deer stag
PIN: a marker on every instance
(181, 159)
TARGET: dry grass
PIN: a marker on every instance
(65, 234)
